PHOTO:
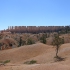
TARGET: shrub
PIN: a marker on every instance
(7, 61)
(43, 39)
(23, 42)
(4, 62)
(30, 62)
(30, 41)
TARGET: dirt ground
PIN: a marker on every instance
(43, 54)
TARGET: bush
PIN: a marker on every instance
(30, 62)
(4, 62)
(43, 39)
(30, 41)
(23, 42)
(7, 61)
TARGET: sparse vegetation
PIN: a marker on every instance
(23, 42)
(57, 42)
(30, 62)
(18, 39)
(4, 62)
(20, 42)
(7, 61)
(43, 38)
(30, 41)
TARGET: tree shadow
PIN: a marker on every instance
(58, 58)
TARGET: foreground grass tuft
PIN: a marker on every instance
(4, 62)
(30, 62)
(7, 61)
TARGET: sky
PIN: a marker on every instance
(34, 13)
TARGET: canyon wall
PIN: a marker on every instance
(32, 29)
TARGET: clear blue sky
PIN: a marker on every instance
(34, 13)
